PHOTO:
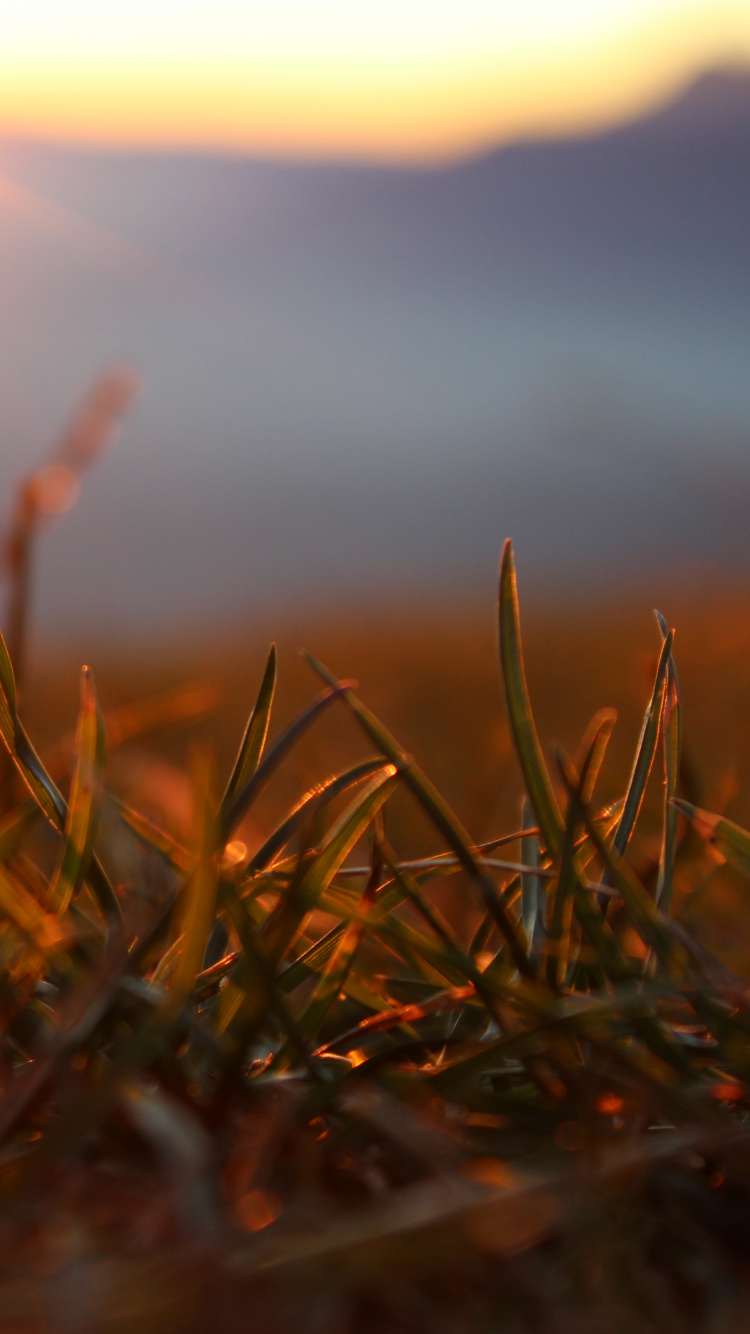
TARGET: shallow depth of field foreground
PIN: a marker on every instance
(342, 1067)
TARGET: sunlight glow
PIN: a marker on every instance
(410, 78)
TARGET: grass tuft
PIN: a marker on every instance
(269, 1072)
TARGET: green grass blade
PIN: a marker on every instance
(262, 997)
(319, 797)
(14, 826)
(533, 893)
(609, 959)
(85, 794)
(154, 838)
(558, 935)
(457, 960)
(316, 869)
(253, 786)
(337, 969)
(196, 905)
(254, 739)
(22, 908)
(590, 757)
(641, 909)
(569, 868)
(439, 813)
(522, 726)
(25, 758)
(730, 840)
(672, 735)
(645, 751)
(350, 826)
(43, 790)
(402, 1015)
(313, 959)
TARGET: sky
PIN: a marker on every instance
(409, 79)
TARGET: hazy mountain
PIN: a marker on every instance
(360, 377)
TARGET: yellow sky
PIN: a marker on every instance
(385, 78)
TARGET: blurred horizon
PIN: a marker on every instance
(411, 82)
(359, 379)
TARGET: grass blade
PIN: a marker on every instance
(672, 735)
(522, 726)
(251, 788)
(321, 795)
(154, 838)
(196, 905)
(645, 751)
(254, 739)
(593, 748)
(21, 751)
(730, 840)
(643, 913)
(533, 892)
(569, 873)
(14, 826)
(316, 869)
(85, 794)
(440, 814)
(335, 973)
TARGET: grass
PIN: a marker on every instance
(354, 1056)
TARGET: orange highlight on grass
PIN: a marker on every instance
(257, 1210)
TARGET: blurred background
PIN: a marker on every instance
(398, 280)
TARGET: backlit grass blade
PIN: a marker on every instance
(197, 903)
(568, 885)
(251, 788)
(315, 871)
(339, 965)
(16, 903)
(426, 956)
(522, 726)
(30, 767)
(153, 837)
(629, 1002)
(558, 936)
(319, 796)
(313, 959)
(672, 735)
(642, 911)
(645, 750)
(39, 783)
(457, 961)
(407, 942)
(167, 961)
(456, 958)
(262, 997)
(590, 756)
(401, 1015)
(608, 957)
(730, 840)
(83, 804)
(440, 814)
(482, 935)
(14, 826)
(254, 739)
(338, 845)
(349, 828)
(584, 852)
(533, 891)
(389, 897)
